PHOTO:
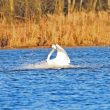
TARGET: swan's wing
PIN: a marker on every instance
(60, 49)
(62, 54)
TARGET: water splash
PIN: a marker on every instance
(45, 65)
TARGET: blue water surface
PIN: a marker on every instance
(83, 88)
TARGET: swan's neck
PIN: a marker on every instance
(49, 55)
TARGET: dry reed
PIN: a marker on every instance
(76, 29)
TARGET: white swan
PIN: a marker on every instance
(62, 59)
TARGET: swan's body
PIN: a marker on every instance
(61, 59)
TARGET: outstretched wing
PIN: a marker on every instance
(62, 54)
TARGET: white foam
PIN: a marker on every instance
(45, 65)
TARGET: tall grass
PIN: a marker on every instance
(76, 29)
(31, 29)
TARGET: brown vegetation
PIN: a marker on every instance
(78, 28)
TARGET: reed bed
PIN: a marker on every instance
(76, 29)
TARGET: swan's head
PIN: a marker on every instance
(54, 46)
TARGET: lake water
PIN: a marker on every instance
(84, 88)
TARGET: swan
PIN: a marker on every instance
(61, 59)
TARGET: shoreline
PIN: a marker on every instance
(45, 47)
